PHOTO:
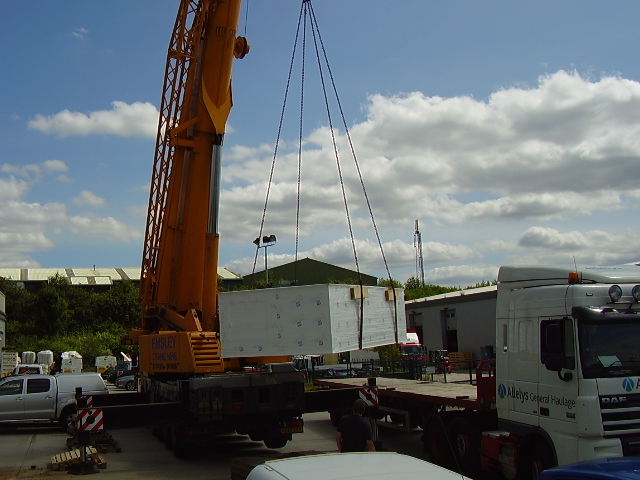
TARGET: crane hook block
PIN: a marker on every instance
(241, 47)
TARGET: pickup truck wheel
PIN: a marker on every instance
(67, 419)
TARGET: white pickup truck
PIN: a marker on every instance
(45, 398)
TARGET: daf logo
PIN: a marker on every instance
(613, 400)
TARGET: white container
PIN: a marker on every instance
(28, 357)
(71, 365)
(104, 362)
(309, 320)
(45, 357)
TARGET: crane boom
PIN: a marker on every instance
(179, 267)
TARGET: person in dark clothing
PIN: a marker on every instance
(354, 432)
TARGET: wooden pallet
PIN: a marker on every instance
(460, 360)
(102, 441)
(66, 460)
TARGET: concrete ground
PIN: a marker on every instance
(27, 452)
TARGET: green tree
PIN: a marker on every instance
(19, 305)
(52, 313)
(389, 283)
(483, 283)
(416, 289)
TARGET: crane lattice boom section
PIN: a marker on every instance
(183, 48)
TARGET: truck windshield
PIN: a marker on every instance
(609, 347)
(412, 350)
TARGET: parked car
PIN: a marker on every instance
(339, 373)
(128, 382)
(337, 466)
(122, 369)
(365, 370)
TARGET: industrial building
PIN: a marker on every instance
(461, 321)
(99, 279)
(308, 271)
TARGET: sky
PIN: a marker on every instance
(509, 130)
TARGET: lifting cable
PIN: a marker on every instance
(307, 14)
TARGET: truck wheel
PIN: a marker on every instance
(275, 440)
(436, 442)
(335, 416)
(165, 436)
(396, 418)
(540, 457)
(466, 444)
(176, 442)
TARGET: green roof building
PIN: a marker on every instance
(308, 272)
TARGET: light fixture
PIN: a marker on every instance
(635, 293)
(267, 241)
(615, 293)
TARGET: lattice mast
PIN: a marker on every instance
(417, 245)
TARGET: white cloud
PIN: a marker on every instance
(135, 120)
(55, 166)
(16, 216)
(16, 243)
(462, 275)
(34, 171)
(80, 32)
(566, 149)
(107, 228)
(543, 245)
(138, 211)
(12, 189)
(87, 198)
(494, 180)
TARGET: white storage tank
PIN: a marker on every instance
(45, 358)
(28, 357)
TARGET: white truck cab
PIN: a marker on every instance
(568, 360)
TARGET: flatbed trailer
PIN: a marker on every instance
(451, 414)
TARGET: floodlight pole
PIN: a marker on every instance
(267, 241)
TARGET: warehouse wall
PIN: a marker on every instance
(462, 323)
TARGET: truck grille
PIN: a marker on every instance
(620, 414)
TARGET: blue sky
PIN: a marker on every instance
(510, 130)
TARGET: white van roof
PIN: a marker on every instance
(337, 466)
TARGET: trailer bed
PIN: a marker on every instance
(461, 395)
